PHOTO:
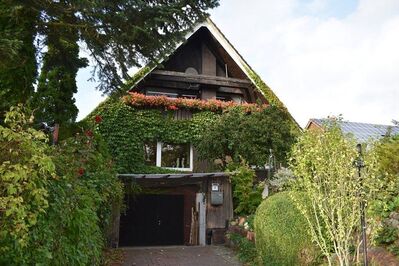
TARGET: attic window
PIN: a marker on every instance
(161, 93)
(229, 97)
(172, 93)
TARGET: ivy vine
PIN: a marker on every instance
(126, 129)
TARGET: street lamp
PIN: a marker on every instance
(271, 165)
(359, 163)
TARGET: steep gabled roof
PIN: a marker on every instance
(361, 131)
(257, 82)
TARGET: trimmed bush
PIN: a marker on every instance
(281, 233)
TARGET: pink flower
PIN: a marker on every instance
(173, 107)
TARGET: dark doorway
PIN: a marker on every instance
(152, 220)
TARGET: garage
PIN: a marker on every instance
(153, 220)
(173, 209)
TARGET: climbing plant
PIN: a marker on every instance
(126, 129)
(55, 202)
(215, 129)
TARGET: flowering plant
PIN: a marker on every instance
(140, 100)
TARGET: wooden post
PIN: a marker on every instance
(55, 133)
(201, 209)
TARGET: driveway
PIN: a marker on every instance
(180, 256)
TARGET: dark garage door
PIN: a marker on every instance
(152, 220)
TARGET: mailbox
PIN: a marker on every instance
(216, 194)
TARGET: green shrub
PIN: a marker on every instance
(55, 202)
(25, 173)
(281, 233)
(246, 249)
(246, 195)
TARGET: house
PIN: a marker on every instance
(185, 201)
(362, 132)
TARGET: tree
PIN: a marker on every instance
(54, 97)
(249, 136)
(18, 66)
(118, 35)
(386, 207)
(323, 161)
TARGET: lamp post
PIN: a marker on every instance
(270, 164)
(359, 163)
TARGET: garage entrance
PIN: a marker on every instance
(153, 220)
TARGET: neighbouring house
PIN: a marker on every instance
(362, 132)
(151, 134)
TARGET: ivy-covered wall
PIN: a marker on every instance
(216, 130)
(126, 129)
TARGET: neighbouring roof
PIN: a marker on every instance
(361, 131)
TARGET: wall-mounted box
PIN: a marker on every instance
(216, 197)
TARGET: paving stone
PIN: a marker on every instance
(180, 256)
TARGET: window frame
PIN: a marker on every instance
(159, 158)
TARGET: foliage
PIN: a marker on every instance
(25, 173)
(246, 195)
(282, 179)
(386, 208)
(118, 35)
(126, 129)
(246, 249)
(69, 214)
(281, 233)
(54, 99)
(237, 134)
(140, 100)
(323, 162)
(18, 67)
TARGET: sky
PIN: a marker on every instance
(321, 57)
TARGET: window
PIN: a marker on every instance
(150, 153)
(160, 93)
(175, 156)
(229, 97)
(170, 156)
(173, 93)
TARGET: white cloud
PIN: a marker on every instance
(318, 61)
(321, 65)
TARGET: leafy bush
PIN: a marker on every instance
(281, 179)
(246, 195)
(246, 249)
(64, 196)
(25, 173)
(248, 136)
(386, 208)
(281, 233)
(324, 164)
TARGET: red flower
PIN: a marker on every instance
(98, 119)
(81, 171)
(173, 107)
(89, 133)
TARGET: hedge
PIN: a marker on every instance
(281, 233)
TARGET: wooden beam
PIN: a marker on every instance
(201, 79)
